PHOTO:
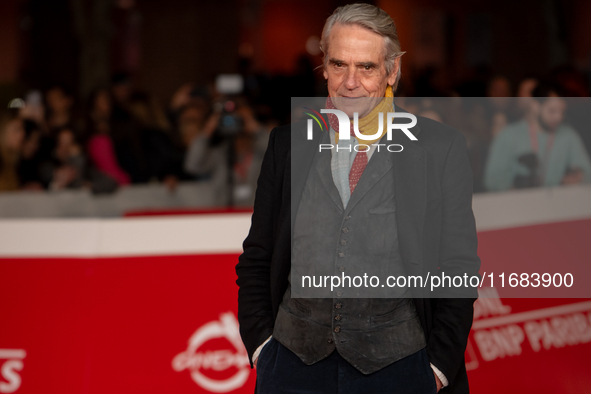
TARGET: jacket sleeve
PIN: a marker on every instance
(255, 312)
(453, 308)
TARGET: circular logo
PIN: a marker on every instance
(197, 361)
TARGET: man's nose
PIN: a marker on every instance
(352, 78)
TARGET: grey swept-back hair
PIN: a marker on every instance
(372, 18)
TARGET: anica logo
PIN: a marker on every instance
(213, 365)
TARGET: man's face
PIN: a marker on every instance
(552, 113)
(356, 68)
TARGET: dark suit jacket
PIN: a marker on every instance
(436, 229)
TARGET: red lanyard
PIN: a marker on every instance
(534, 139)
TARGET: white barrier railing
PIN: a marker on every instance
(82, 203)
(224, 233)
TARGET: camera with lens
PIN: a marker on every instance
(230, 123)
(229, 85)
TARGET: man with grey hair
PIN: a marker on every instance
(374, 20)
(415, 205)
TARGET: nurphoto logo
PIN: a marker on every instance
(345, 124)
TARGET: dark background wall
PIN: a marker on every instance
(164, 44)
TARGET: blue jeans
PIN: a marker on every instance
(280, 371)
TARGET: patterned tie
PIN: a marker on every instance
(360, 161)
(357, 168)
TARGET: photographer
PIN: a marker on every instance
(230, 137)
(539, 150)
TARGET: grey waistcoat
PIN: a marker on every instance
(369, 330)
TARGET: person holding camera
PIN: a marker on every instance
(231, 137)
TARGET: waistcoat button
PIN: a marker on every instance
(329, 340)
(337, 317)
(338, 305)
(345, 230)
(337, 329)
(341, 254)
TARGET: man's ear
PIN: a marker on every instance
(394, 72)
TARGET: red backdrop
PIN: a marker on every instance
(167, 323)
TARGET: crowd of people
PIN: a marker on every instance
(537, 134)
(123, 136)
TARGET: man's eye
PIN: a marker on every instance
(338, 64)
(367, 68)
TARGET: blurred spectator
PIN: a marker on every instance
(148, 112)
(525, 91)
(58, 108)
(186, 97)
(526, 87)
(540, 151)
(163, 158)
(67, 166)
(121, 90)
(190, 121)
(100, 146)
(125, 131)
(212, 152)
(12, 134)
(485, 119)
(499, 97)
(99, 110)
(499, 86)
(30, 158)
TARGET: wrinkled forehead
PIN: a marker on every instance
(356, 41)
